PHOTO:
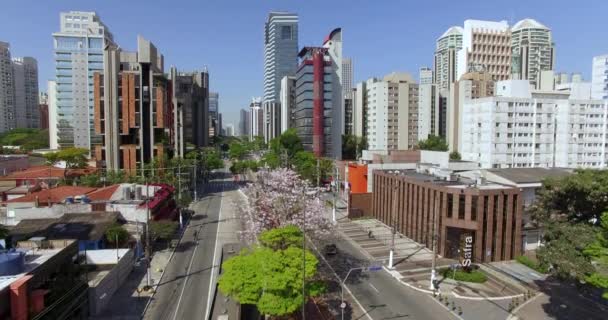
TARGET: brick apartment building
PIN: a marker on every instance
(489, 212)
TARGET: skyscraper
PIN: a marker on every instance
(487, 45)
(288, 102)
(319, 100)
(244, 122)
(7, 90)
(599, 77)
(532, 50)
(78, 55)
(280, 60)
(256, 122)
(347, 76)
(25, 74)
(446, 49)
(214, 118)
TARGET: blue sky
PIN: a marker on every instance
(227, 36)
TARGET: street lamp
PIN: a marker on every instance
(343, 283)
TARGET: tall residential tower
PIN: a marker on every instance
(445, 57)
(532, 51)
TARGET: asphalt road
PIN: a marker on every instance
(185, 286)
(381, 295)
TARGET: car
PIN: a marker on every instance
(330, 249)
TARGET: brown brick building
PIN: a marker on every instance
(491, 213)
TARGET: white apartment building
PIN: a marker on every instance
(392, 112)
(521, 127)
(485, 44)
(288, 101)
(599, 77)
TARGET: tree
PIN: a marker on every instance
(117, 235)
(290, 141)
(237, 151)
(162, 229)
(272, 278)
(281, 198)
(72, 157)
(455, 155)
(581, 197)
(433, 143)
(353, 146)
(282, 238)
(27, 139)
(305, 164)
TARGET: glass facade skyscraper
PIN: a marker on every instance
(78, 55)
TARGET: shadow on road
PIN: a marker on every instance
(568, 300)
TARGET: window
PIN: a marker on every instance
(286, 33)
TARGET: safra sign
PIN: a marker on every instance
(466, 250)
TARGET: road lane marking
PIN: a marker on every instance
(371, 285)
(185, 281)
(217, 234)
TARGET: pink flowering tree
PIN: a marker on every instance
(280, 198)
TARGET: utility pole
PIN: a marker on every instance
(335, 189)
(148, 275)
(179, 180)
(195, 169)
(434, 239)
(393, 227)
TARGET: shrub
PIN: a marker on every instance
(475, 276)
(532, 264)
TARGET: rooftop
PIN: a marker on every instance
(39, 172)
(530, 175)
(455, 30)
(53, 195)
(81, 226)
(528, 24)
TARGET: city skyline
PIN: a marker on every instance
(572, 56)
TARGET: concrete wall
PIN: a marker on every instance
(360, 205)
(101, 292)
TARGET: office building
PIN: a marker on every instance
(425, 76)
(348, 113)
(189, 110)
(280, 60)
(392, 112)
(417, 203)
(485, 44)
(599, 77)
(472, 85)
(214, 126)
(25, 76)
(347, 76)
(256, 117)
(78, 50)
(533, 51)
(319, 99)
(520, 127)
(7, 89)
(132, 108)
(446, 49)
(288, 102)
(244, 122)
(52, 101)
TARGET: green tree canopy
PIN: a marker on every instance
(433, 143)
(353, 146)
(237, 151)
(455, 155)
(117, 235)
(73, 157)
(282, 238)
(162, 229)
(27, 139)
(271, 279)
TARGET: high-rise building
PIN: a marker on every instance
(230, 130)
(280, 60)
(52, 101)
(428, 111)
(244, 122)
(520, 127)
(288, 102)
(426, 75)
(43, 109)
(347, 89)
(360, 110)
(347, 76)
(25, 75)
(189, 112)
(485, 44)
(599, 77)
(78, 49)
(214, 127)
(447, 47)
(532, 50)
(132, 108)
(7, 89)
(348, 113)
(472, 85)
(256, 118)
(319, 99)
(392, 112)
